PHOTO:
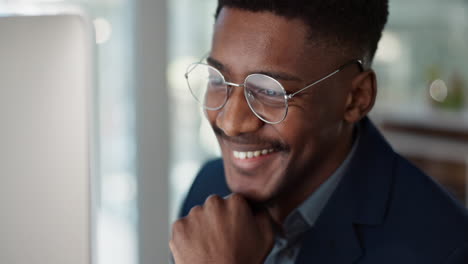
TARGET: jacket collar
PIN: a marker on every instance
(360, 199)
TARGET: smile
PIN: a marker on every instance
(251, 154)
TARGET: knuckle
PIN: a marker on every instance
(237, 199)
(178, 227)
(195, 210)
(214, 200)
(177, 230)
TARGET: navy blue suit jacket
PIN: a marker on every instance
(383, 211)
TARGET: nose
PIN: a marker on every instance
(235, 117)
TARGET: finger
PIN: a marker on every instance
(179, 228)
(196, 210)
(214, 203)
(178, 235)
(237, 202)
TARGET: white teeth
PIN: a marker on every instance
(251, 154)
(242, 155)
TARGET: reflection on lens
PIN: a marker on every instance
(207, 85)
(266, 97)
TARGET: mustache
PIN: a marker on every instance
(250, 139)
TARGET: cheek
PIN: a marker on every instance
(299, 129)
(309, 128)
(211, 116)
(328, 113)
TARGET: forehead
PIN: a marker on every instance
(249, 40)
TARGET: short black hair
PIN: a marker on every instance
(350, 25)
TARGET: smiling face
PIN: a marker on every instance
(286, 161)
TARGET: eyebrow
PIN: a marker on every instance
(213, 62)
(276, 75)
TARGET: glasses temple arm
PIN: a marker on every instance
(359, 62)
(314, 83)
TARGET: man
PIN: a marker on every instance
(305, 176)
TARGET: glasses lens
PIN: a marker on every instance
(266, 97)
(207, 86)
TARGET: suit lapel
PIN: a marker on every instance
(360, 199)
(333, 238)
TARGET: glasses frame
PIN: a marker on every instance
(287, 96)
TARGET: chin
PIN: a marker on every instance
(257, 179)
(254, 192)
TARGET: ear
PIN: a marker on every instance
(361, 97)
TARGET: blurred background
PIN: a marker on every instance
(422, 108)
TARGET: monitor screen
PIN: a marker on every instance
(46, 139)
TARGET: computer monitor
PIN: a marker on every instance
(46, 139)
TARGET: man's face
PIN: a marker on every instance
(311, 141)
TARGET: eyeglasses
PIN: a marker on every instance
(265, 96)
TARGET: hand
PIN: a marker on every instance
(222, 231)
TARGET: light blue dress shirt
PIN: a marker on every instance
(287, 246)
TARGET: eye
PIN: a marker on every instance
(266, 92)
(215, 80)
(270, 92)
(264, 88)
